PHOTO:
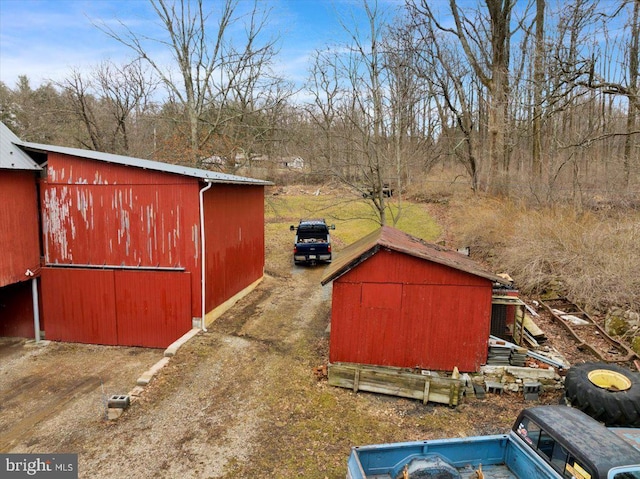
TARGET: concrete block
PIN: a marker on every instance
(118, 401)
(531, 390)
(479, 391)
(494, 387)
(531, 373)
(173, 347)
(148, 375)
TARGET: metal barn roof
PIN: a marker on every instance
(12, 157)
(205, 175)
(396, 240)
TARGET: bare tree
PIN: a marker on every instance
(451, 84)
(128, 92)
(633, 94)
(349, 83)
(491, 67)
(210, 65)
(106, 100)
(538, 86)
(324, 87)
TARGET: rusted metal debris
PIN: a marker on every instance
(587, 332)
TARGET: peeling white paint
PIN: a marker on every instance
(57, 205)
(195, 238)
(178, 221)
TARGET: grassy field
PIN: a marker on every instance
(352, 216)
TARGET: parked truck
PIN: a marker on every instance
(313, 241)
(545, 442)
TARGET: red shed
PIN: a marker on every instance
(400, 301)
(20, 258)
(124, 246)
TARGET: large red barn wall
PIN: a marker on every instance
(234, 235)
(397, 310)
(99, 213)
(19, 235)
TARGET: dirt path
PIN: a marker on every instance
(43, 386)
(201, 415)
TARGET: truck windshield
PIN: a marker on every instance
(631, 472)
(318, 233)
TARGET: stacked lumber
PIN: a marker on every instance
(428, 386)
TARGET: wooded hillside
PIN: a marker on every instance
(533, 99)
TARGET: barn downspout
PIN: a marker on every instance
(202, 238)
(36, 311)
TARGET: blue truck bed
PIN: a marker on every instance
(545, 442)
(498, 456)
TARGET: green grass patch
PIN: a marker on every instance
(353, 217)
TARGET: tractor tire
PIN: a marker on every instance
(607, 392)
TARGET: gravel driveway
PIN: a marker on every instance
(241, 400)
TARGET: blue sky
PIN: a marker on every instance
(45, 39)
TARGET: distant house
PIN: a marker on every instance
(400, 301)
(296, 163)
(135, 252)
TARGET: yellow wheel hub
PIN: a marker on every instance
(610, 380)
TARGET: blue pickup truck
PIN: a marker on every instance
(545, 442)
(313, 242)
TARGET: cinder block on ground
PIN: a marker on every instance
(494, 387)
(118, 401)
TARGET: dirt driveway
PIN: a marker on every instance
(201, 416)
(239, 401)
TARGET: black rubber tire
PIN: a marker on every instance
(613, 408)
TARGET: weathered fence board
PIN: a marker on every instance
(396, 382)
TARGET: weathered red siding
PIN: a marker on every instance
(397, 310)
(19, 235)
(79, 305)
(96, 213)
(234, 228)
(115, 307)
(16, 310)
(153, 308)
(117, 217)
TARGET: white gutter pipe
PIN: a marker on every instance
(36, 311)
(203, 325)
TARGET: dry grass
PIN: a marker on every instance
(592, 257)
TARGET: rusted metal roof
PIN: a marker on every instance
(12, 157)
(205, 175)
(396, 240)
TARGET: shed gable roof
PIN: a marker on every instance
(12, 157)
(396, 240)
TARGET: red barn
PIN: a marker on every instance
(399, 301)
(20, 258)
(135, 252)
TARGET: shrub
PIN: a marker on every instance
(592, 258)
